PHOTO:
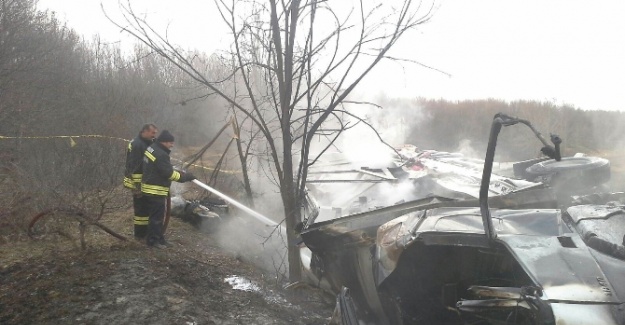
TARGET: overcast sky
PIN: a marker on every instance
(561, 51)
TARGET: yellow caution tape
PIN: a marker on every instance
(65, 136)
(73, 143)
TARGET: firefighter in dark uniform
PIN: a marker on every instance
(158, 173)
(132, 176)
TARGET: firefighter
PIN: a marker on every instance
(158, 173)
(132, 177)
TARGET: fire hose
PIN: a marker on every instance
(167, 213)
(239, 205)
(305, 254)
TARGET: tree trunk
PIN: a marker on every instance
(291, 215)
(243, 160)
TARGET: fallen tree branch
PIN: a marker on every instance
(78, 215)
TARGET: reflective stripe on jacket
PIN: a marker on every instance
(134, 161)
(158, 172)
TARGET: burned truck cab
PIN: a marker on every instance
(440, 271)
(464, 248)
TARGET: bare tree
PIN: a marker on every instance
(298, 62)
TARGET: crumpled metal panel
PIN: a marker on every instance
(458, 227)
(576, 314)
(566, 274)
(607, 222)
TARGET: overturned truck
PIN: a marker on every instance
(441, 239)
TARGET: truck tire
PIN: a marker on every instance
(571, 171)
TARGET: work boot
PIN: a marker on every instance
(152, 242)
(158, 245)
(165, 243)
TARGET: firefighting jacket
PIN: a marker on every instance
(157, 171)
(134, 161)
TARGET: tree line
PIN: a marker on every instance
(448, 123)
(53, 81)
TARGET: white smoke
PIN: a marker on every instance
(389, 124)
(465, 147)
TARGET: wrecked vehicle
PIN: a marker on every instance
(532, 243)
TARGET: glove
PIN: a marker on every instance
(187, 177)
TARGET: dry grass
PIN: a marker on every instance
(59, 234)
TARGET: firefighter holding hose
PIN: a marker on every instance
(158, 173)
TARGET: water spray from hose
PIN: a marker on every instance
(239, 205)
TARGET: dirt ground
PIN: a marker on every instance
(50, 280)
